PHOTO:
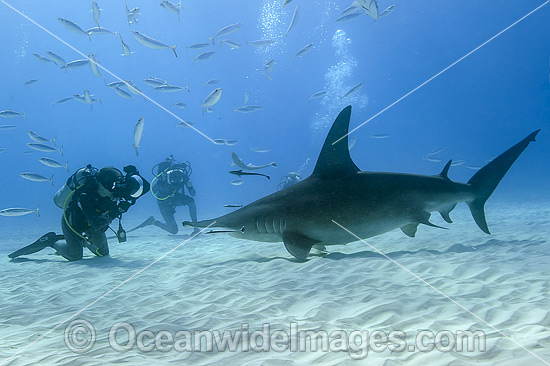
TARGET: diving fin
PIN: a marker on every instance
(46, 240)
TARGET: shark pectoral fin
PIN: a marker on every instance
(297, 244)
(409, 229)
(445, 213)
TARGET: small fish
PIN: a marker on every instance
(345, 18)
(233, 206)
(370, 7)
(319, 94)
(73, 27)
(7, 127)
(87, 97)
(58, 60)
(204, 56)
(245, 97)
(352, 142)
(234, 45)
(41, 58)
(285, 3)
(387, 11)
(240, 173)
(151, 81)
(133, 88)
(226, 30)
(16, 211)
(116, 84)
(260, 149)
(171, 7)
(123, 93)
(230, 142)
(239, 162)
(64, 100)
(92, 60)
(37, 138)
(180, 105)
(237, 182)
(304, 50)
(472, 167)
(36, 177)
(212, 98)
(125, 49)
(434, 152)
(294, 19)
(152, 43)
(138, 131)
(30, 82)
(131, 15)
(219, 141)
(11, 114)
(45, 148)
(209, 109)
(268, 67)
(75, 64)
(196, 46)
(82, 99)
(211, 82)
(248, 108)
(353, 90)
(170, 88)
(457, 162)
(261, 42)
(241, 230)
(54, 163)
(96, 12)
(98, 30)
(2, 149)
(185, 124)
(433, 160)
(380, 136)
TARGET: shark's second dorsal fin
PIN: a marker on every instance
(334, 157)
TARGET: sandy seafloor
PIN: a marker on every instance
(218, 283)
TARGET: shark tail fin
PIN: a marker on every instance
(485, 181)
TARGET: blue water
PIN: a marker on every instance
(474, 111)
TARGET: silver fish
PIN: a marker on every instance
(180, 105)
(237, 182)
(219, 141)
(345, 18)
(54, 163)
(92, 60)
(204, 56)
(226, 30)
(170, 88)
(84, 100)
(131, 15)
(171, 7)
(434, 152)
(211, 82)
(387, 11)
(7, 127)
(304, 50)
(125, 49)
(17, 211)
(154, 81)
(37, 138)
(294, 19)
(230, 43)
(197, 46)
(133, 88)
(11, 114)
(239, 162)
(245, 97)
(123, 93)
(353, 90)
(380, 136)
(45, 148)
(64, 100)
(73, 27)
(138, 131)
(212, 98)
(96, 12)
(268, 67)
(41, 58)
(58, 60)
(457, 162)
(185, 124)
(75, 64)
(152, 43)
(473, 167)
(36, 177)
(230, 142)
(285, 3)
(261, 42)
(248, 108)
(102, 30)
(370, 7)
(433, 160)
(116, 84)
(260, 149)
(30, 82)
(352, 143)
(318, 94)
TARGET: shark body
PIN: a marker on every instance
(365, 203)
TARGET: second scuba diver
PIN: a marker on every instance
(91, 200)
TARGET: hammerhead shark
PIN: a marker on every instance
(365, 203)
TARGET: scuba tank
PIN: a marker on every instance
(72, 183)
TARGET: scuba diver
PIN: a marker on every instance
(91, 199)
(172, 177)
(289, 180)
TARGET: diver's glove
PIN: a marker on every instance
(191, 189)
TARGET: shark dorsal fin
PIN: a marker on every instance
(445, 172)
(335, 159)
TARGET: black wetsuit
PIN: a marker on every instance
(88, 215)
(169, 196)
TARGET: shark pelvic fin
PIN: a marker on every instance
(297, 244)
(334, 158)
(445, 213)
(409, 229)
